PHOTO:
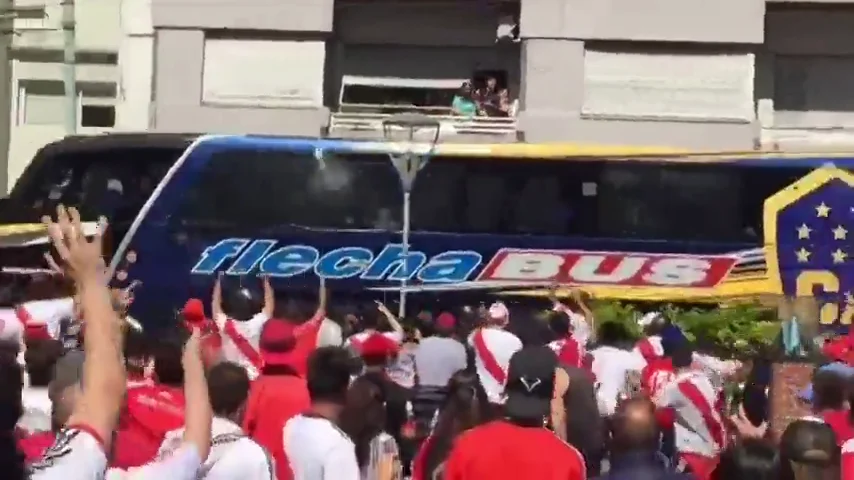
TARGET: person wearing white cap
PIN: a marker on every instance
(493, 346)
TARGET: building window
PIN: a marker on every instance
(658, 84)
(97, 116)
(40, 102)
(254, 72)
(43, 102)
(813, 91)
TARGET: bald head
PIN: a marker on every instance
(633, 426)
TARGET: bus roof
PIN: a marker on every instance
(542, 151)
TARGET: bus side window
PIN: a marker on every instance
(437, 195)
(278, 188)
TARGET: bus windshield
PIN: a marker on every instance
(109, 182)
(592, 198)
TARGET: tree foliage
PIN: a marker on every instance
(728, 331)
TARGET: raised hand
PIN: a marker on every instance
(80, 258)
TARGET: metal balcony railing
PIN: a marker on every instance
(369, 118)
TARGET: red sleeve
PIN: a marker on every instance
(311, 325)
(456, 462)
(421, 457)
(847, 466)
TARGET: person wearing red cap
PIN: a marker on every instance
(194, 318)
(378, 352)
(278, 394)
(371, 324)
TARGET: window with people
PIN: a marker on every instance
(485, 95)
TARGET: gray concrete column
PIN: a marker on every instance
(6, 37)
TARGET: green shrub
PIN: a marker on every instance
(731, 331)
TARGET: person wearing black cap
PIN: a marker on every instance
(520, 442)
(809, 450)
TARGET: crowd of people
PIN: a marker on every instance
(246, 392)
(486, 100)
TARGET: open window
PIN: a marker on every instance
(392, 95)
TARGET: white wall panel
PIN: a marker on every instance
(668, 86)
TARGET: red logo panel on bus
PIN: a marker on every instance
(608, 268)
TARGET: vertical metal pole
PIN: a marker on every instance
(6, 36)
(69, 59)
(405, 240)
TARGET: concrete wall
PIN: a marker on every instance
(663, 99)
(35, 101)
(253, 78)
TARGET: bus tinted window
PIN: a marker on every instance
(670, 202)
(527, 197)
(112, 182)
(268, 188)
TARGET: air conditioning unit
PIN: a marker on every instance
(507, 30)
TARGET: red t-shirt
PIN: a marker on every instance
(306, 336)
(840, 423)
(35, 445)
(500, 450)
(273, 400)
(150, 412)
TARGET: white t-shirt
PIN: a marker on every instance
(693, 434)
(611, 365)
(329, 334)
(581, 330)
(76, 454)
(317, 450)
(37, 410)
(250, 330)
(50, 313)
(502, 344)
(181, 464)
(232, 455)
(11, 328)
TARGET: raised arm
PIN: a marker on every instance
(393, 322)
(103, 368)
(322, 299)
(197, 422)
(269, 298)
(216, 299)
(319, 314)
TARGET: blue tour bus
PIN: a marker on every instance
(624, 223)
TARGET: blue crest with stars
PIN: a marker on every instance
(811, 230)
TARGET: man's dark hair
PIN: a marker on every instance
(329, 371)
(748, 460)
(370, 317)
(40, 357)
(136, 351)
(559, 323)
(682, 355)
(808, 449)
(168, 353)
(228, 388)
(829, 390)
(613, 334)
(633, 427)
